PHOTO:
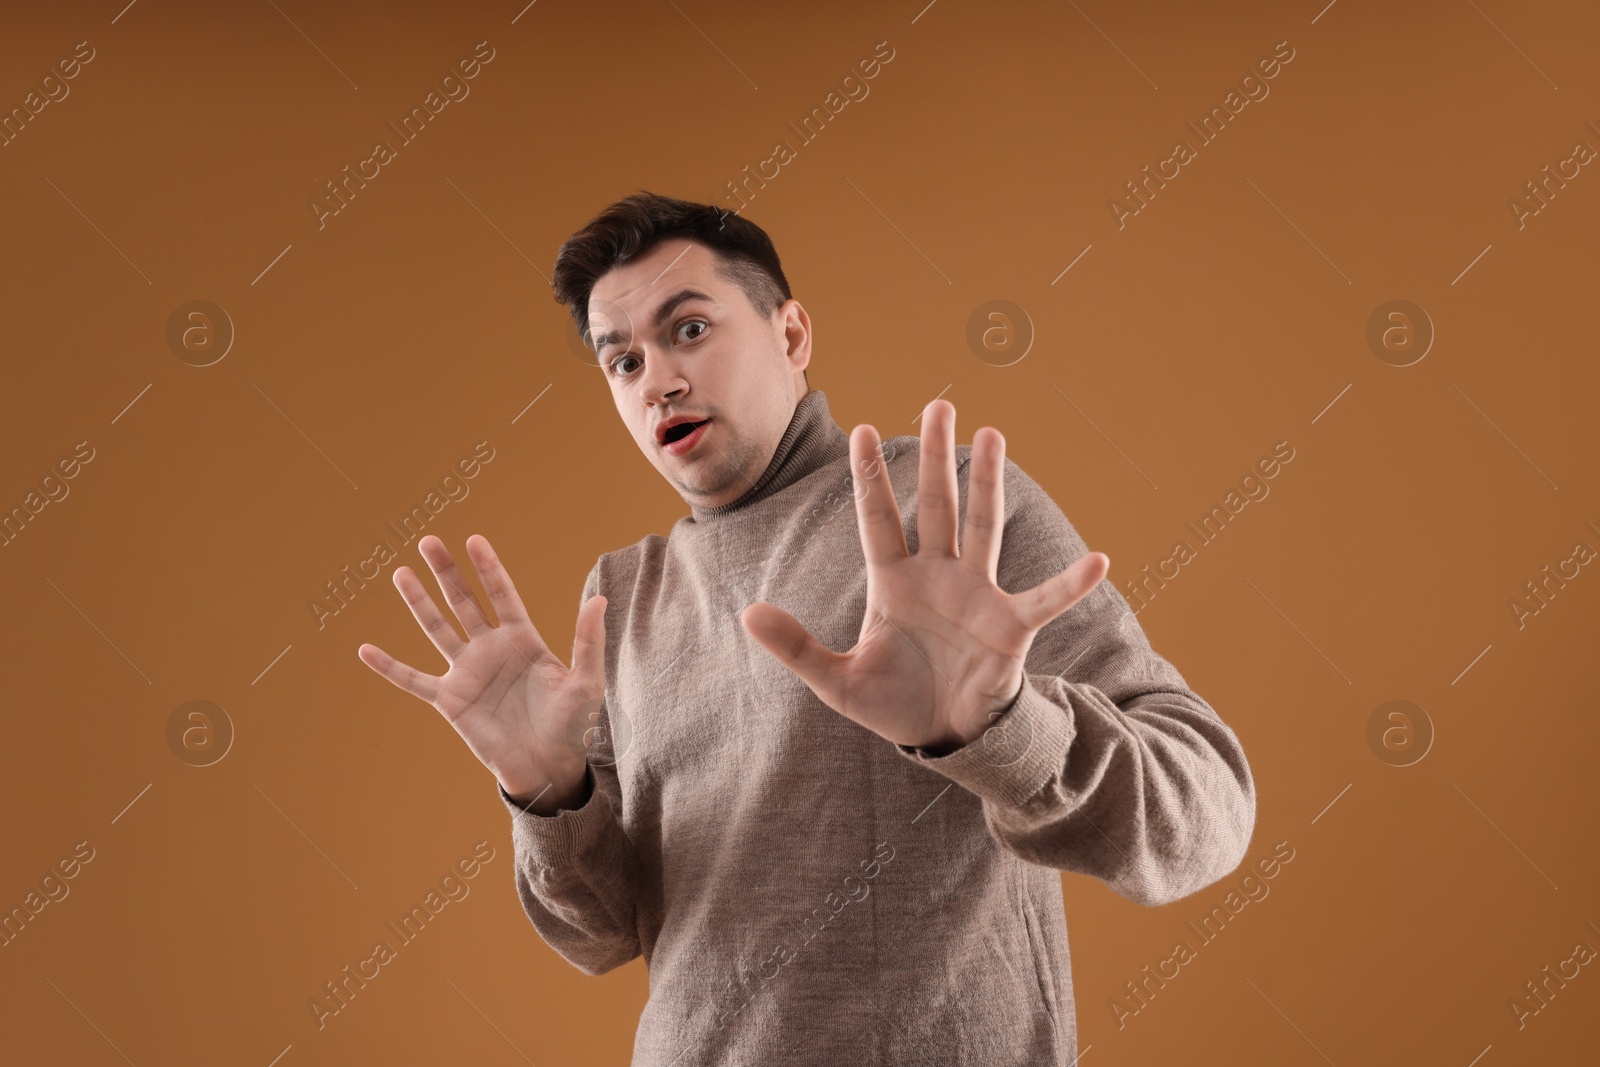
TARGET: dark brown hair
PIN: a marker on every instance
(636, 224)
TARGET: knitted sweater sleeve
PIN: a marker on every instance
(1106, 763)
(575, 871)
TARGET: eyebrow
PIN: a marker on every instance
(666, 308)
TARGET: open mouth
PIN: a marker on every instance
(682, 430)
(684, 438)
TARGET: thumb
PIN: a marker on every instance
(589, 641)
(1055, 595)
(792, 645)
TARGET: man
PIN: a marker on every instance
(822, 774)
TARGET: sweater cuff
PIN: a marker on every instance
(552, 840)
(1015, 757)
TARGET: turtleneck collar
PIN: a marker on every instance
(811, 441)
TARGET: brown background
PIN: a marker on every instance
(375, 351)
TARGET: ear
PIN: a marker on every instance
(796, 326)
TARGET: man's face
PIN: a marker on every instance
(676, 339)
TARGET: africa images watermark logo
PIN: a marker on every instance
(853, 88)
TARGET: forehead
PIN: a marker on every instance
(673, 264)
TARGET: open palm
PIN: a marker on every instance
(942, 646)
(519, 709)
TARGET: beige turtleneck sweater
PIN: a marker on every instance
(804, 891)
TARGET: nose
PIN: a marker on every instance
(661, 384)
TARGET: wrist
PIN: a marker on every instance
(949, 741)
(546, 795)
(960, 736)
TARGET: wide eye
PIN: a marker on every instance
(686, 323)
(616, 364)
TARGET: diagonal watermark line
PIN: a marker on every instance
(1113, 44)
(1302, 233)
(912, 643)
(1502, 433)
(269, 666)
(1016, 978)
(274, 263)
(132, 402)
(1502, 833)
(920, 1044)
(901, 232)
(1063, 673)
(1299, 631)
(497, 229)
(932, 802)
(124, 11)
(1103, 834)
(1474, 263)
(1069, 266)
(101, 232)
(1331, 803)
(131, 803)
(99, 631)
(313, 44)
(943, 391)
(687, 245)
(536, 797)
(490, 1021)
(1102, 433)
(923, 12)
(1288, 1020)
(740, 872)
(1332, 402)
(875, 1008)
(88, 1020)
(530, 404)
(713, 44)
(523, 12)
(1468, 667)
(302, 433)
(675, 659)
(1513, 44)
(302, 833)
(1324, 11)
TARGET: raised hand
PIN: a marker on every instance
(517, 706)
(942, 646)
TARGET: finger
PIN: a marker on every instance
(426, 612)
(457, 593)
(936, 480)
(508, 606)
(883, 539)
(589, 642)
(413, 681)
(1051, 597)
(986, 502)
(793, 646)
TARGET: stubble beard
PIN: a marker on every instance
(720, 467)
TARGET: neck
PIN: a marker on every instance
(811, 440)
